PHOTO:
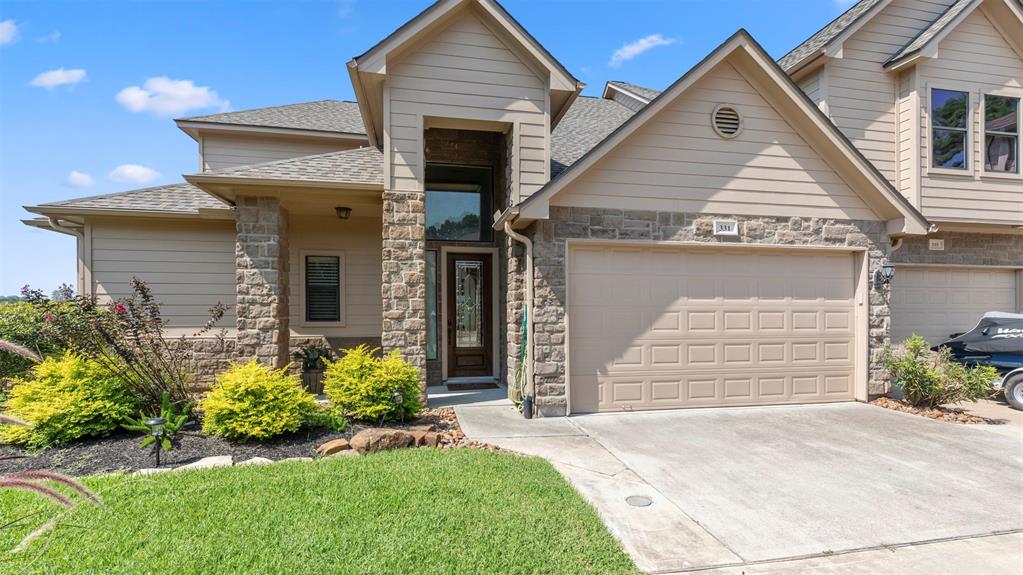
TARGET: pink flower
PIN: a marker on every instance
(48, 318)
(120, 309)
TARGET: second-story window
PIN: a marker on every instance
(950, 112)
(1001, 134)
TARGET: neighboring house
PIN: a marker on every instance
(717, 243)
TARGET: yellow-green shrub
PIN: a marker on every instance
(362, 385)
(253, 401)
(66, 397)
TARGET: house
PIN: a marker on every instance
(730, 240)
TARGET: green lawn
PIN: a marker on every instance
(402, 512)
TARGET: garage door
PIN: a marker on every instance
(658, 328)
(935, 302)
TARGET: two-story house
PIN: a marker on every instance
(753, 234)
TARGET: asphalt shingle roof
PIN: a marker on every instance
(172, 198)
(827, 33)
(322, 115)
(585, 125)
(360, 166)
(931, 30)
(640, 91)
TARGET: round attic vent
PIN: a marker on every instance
(727, 121)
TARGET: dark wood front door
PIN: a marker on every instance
(469, 315)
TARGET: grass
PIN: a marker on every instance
(401, 512)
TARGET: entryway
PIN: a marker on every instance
(469, 317)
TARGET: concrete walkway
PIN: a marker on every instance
(844, 488)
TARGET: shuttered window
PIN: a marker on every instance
(323, 288)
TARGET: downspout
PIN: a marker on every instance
(529, 405)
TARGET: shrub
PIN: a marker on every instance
(23, 323)
(363, 385)
(928, 378)
(253, 401)
(67, 397)
(328, 417)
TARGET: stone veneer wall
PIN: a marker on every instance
(963, 249)
(404, 277)
(261, 275)
(550, 236)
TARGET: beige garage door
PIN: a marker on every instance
(658, 328)
(934, 302)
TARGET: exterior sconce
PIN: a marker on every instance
(883, 276)
(342, 212)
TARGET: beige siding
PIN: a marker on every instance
(810, 85)
(908, 138)
(465, 72)
(976, 58)
(358, 241)
(189, 265)
(225, 151)
(676, 162)
(627, 101)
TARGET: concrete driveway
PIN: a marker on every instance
(755, 489)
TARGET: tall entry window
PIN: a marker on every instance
(950, 113)
(459, 200)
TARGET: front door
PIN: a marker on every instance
(469, 315)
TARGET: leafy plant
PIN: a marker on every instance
(22, 324)
(173, 423)
(930, 378)
(313, 356)
(126, 337)
(66, 398)
(328, 417)
(363, 385)
(253, 401)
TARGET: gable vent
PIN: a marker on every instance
(727, 121)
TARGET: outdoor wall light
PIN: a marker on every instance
(156, 428)
(343, 212)
(883, 276)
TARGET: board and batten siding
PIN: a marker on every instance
(676, 162)
(190, 266)
(226, 151)
(466, 72)
(358, 239)
(973, 57)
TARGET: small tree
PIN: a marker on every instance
(931, 378)
(126, 337)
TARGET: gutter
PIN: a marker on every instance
(57, 226)
(528, 401)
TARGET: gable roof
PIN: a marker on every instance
(172, 199)
(360, 166)
(877, 190)
(847, 22)
(646, 94)
(319, 116)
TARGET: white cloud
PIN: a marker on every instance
(345, 8)
(58, 77)
(78, 179)
(133, 174)
(633, 49)
(51, 38)
(8, 32)
(166, 97)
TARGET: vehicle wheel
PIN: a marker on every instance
(1014, 392)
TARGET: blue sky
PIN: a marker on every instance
(88, 89)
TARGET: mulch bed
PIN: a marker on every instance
(121, 452)
(949, 414)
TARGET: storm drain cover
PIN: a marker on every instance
(639, 501)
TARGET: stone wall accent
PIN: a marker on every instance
(963, 249)
(550, 246)
(261, 275)
(208, 356)
(404, 277)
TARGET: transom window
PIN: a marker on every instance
(950, 112)
(1001, 134)
(323, 288)
(458, 199)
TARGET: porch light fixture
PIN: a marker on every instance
(156, 429)
(342, 212)
(883, 276)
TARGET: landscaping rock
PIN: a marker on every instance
(377, 439)
(431, 439)
(333, 447)
(210, 462)
(153, 470)
(345, 453)
(426, 427)
(256, 461)
(418, 437)
(297, 459)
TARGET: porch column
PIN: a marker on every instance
(404, 277)
(261, 280)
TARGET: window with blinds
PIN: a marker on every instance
(323, 288)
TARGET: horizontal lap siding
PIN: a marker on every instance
(228, 151)
(466, 72)
(811, 87)
(974, 54)
(189, 265)
(676, 162)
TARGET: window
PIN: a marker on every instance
(458, 202)
(323, 288)
(950, 112)
(1001, 134)
(431, 304)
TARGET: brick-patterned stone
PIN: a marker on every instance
(404, 277)
(261, 273)
(963, 249)
(549, 237)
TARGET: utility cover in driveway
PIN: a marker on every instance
(668, 327)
